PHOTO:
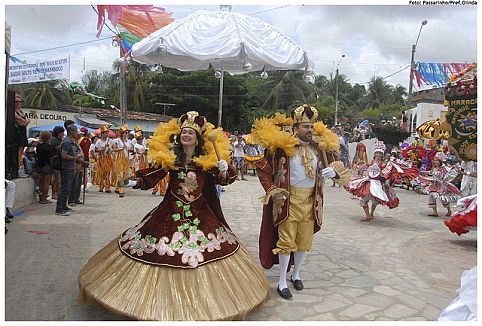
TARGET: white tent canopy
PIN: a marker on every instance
(226, 40)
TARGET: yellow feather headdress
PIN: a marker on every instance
(160, 146)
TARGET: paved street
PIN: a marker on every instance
(402, 266)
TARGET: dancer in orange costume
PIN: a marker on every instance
(103, 148)
(121, 160)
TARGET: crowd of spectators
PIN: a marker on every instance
(57, 162)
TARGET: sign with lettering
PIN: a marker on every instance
(38, 72)
(46, 117)
(461, 97)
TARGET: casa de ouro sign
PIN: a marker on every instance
(45, 117)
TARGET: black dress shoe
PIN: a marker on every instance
(285, 293)
(298, 284)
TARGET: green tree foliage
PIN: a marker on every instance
(370, 114)
(199, 90)
(285, 88)
(245, 97)
(45, 95)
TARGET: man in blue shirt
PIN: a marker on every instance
(68, 152)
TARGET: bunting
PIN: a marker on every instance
(436, 74)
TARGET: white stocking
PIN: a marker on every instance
(299, 255)
(283, 266)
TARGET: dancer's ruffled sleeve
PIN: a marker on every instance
(148, 178)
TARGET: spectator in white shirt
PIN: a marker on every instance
(238, 147)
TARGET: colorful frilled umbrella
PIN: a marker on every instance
(461, 99)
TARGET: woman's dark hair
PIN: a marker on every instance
(68, 123)
(179, 150)
(57, 130)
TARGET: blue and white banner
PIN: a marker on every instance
(39, 72)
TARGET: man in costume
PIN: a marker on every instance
(103, 148)
(292, 174)
(85, 143)
(121, 159)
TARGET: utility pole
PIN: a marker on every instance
(413, 67)
(221, 84)
(336, 90)
(123, 103)
(336, 98)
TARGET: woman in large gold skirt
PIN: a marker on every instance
(182, 261)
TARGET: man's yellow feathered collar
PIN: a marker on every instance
(270, 136)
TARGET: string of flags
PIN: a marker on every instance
(436, 74)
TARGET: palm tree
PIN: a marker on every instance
(325, 88)
(92, 81)
(321, 86)
(400, 93)
(45, 95)
(135, 83)
(285, 88)
(379, 92)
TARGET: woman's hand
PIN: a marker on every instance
(222, 166)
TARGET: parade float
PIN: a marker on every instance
(461, 99)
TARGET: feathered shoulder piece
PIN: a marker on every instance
(210, 160)
(162, 142)
(270, 136)
(323, 134)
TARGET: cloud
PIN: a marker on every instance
(377, 40)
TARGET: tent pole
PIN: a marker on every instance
(221, 83)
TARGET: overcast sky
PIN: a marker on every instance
(377, 40)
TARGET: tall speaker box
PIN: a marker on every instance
(11, 145)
